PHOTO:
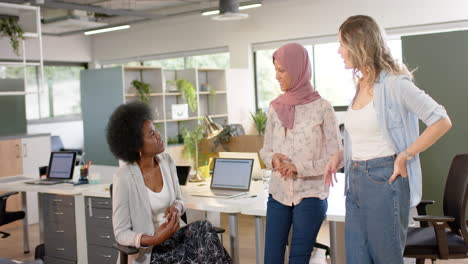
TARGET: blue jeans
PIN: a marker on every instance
(377, 213)
(306, 218)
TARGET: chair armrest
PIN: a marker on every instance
(126, 249)
(6, 195)
(434, 219)
(438, 222)
(421, 207)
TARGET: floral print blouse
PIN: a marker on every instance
(309, 145)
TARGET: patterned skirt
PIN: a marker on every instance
(196, 243)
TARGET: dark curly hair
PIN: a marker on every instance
(123, 130)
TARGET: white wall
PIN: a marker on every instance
(71, 132)
(74, 48)
(276, 20)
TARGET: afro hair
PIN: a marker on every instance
(124, 128)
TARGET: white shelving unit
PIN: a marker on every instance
(30, 22)
(212, 103)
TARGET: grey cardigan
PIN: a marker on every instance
(131, 209)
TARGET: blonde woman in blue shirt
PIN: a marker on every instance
(382, 145)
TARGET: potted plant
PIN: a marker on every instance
(192, 139)
(143, 90)
(9, 27)
(259, 119)
(188, 93)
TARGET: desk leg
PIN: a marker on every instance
(234, 238)
(333, 242)
(259, 239)
(337, 243)
(40, 206)
(24, 205)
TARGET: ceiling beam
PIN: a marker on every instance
(88, 8)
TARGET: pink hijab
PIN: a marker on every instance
(294, 58)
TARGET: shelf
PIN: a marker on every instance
(218, 116)
(208, 93)
(13, 93)
(30, 35)
(151, 94)
(172, 94)
(185, 119)
(18, 64)
(140, 68)
(158, 121)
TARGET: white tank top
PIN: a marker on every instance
(159, 202)
(367, 139)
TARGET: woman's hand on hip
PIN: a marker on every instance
(331, 169)
(399, 167)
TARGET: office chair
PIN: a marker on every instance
(8, 217)
(124, 251)
(438, 242)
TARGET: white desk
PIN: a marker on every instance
(335, 213)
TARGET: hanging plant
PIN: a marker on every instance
(9, 27)
(143, 90)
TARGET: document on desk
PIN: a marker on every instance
(14, 179)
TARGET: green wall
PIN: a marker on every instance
(101, 93)
(12, 108)
(442, 71)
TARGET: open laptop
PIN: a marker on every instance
(231, 178)
(61, 167)
(257, 170)
(182, 174)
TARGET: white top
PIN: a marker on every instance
(367, 140)
(159, 202)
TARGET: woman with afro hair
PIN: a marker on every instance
(147, 201)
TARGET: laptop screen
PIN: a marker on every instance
(232, 174)
(61, 165)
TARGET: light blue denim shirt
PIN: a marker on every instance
(398, 105)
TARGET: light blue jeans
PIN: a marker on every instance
(377, 213)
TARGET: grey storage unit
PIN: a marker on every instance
(99, 231)
(59, 228)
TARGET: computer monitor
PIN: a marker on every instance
(61, 165)
(257, 171)
(232, 174)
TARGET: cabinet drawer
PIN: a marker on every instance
(60, 248)
(50, 260)
(59, 200)
(100, 236)
(99, 218)
(64, 227)
(96, 202)
(55, 214)
(67, 238)
(102, 255)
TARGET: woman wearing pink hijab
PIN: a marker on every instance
(300, 137)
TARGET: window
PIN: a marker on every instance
(329, 76)
(61, 91)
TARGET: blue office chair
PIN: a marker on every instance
(8, 217)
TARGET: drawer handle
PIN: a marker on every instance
(106, 256)
(103, 217)
(103, 202)
(60, 249)
(59, 231)
(57, 200)
(58, 213)
(107, 237)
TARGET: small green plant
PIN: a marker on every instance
(259, 119)
(143, 90)
(192, 139)
(223, 139)
(9, 27)
(188, 93)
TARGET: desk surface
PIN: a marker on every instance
(247, 205)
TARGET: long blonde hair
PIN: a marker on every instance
(364, 39)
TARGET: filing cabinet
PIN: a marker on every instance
(99, 231)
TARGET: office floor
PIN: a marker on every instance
(12, 247)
